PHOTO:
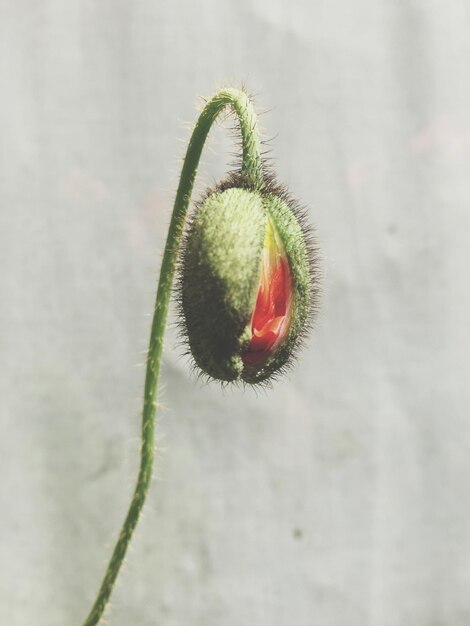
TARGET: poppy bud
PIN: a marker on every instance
(248, 282)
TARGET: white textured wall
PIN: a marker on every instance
(342, 497)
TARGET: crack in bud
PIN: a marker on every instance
(272, 312)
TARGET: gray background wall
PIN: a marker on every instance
(341, 497)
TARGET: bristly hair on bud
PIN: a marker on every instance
(248, 281)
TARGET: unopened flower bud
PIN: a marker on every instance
(247, 283)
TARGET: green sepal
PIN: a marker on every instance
(219, 281)
(296, 248)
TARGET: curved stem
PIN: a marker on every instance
(251, 167)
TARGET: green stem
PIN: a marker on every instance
(251, 167)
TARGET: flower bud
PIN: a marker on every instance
(247, 284)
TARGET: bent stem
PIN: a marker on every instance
(252, 169)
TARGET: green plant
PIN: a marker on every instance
(247, 287)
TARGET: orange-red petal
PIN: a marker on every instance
(271, 315)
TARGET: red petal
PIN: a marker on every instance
(270, 318)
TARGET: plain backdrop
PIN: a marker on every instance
(339, 498)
